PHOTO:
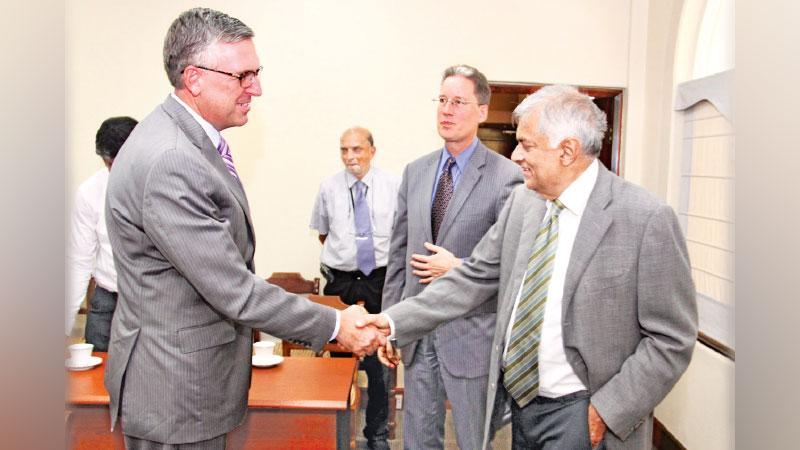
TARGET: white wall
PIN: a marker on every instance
(327, 66)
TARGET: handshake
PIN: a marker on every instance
(363, 333)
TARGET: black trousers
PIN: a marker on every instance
(353, 287)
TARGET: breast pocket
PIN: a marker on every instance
(192, 339)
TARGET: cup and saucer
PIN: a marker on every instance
(80, 357)
(264, 356)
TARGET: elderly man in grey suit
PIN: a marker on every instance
(448, 199)
(596, 317)
(179, 366)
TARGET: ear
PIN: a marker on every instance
(484, 113)
(192, 80)
(570, 150)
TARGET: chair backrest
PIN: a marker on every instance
(334, 301)
(294, 282)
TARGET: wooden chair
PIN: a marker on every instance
(291, 282)
(294, 282)
(334, 301)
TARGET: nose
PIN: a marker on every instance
(449, 107)
(255, 88)
(516, 155)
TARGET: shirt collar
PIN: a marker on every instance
(212, 132)
(366, 179)
(576, 195)
(462, 159)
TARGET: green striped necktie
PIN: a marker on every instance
(521, 364)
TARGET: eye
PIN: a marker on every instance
(442, 100)
(459, 102)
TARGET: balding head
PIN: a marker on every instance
(357, 149)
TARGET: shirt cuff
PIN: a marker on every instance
(391, 336)
(336, 328)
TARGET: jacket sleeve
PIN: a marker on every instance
(457, 292)
(396, 265)
(667, 313)
(182, 217)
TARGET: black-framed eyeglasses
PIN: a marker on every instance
(246, 78)
(457, 102)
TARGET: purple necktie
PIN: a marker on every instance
(365, 249)
(444, 192)
(225, 152)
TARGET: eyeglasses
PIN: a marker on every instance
(246, 78)
(456, 102)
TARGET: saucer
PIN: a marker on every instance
(267, 361)
(83, 365)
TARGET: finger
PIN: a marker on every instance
(432, 247)
(422, 273)
(427, 280)
(418, 257)
(420, 265)
(368, 319)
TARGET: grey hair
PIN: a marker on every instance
(564, 112)
(482, 90)
(192, 33)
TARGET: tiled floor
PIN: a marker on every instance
(502, 439)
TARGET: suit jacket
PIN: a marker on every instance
(179, 355)
(629, 315)
(478, 199)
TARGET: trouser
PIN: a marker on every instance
(98, 319)
(216, 443)
(427, 385)
(552, 423)
(352, 287)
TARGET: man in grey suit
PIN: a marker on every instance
(179, 365)
(597, 317)
(448, 199)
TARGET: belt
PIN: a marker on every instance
(357, 274)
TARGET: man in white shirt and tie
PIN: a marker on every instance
(354, 215)
(89, 249)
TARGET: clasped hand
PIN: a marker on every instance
(388, 355)
(361, 340)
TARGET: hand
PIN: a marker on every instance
(361, 340)
(388, 356)
(597, 427)
(430, 267)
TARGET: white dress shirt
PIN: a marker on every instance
(334, 216)
(89, 252)
(556, 377)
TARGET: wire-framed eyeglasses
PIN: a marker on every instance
(246, 78)
(457, 102)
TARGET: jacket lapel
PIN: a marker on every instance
(427, 177)
(593, 227)
(465, 186)
(195, 133)
(530, 225)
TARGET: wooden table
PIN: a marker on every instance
(304, 402)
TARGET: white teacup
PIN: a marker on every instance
(80, 353)
(264, 349)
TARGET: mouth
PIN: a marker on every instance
(446, 123)
(244, 107)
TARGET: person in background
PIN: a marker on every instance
(354, 215)
(448, 199)
(89, 252)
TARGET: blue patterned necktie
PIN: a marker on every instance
(225, 152)
(365, 249)
(444, 192)
(521, 363)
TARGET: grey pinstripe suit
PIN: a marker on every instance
(179, 358)
(629, 313)
(475, 206)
